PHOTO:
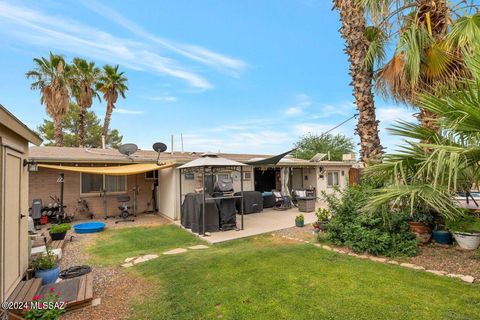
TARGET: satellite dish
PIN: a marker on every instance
(128, 149)
(159, 147)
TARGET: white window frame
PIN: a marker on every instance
(333, 179)
(96, 193)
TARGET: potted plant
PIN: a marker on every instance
(46, 267)
(439, 234)
(323, 217)
(420, 223)
(316, 227)
(58, 231)
(466, 231)
(300, 220)
(49, 307)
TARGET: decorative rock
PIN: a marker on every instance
(338, 250)
(175, 251)
(412, 266)
(468, 279)
(393, 262)
(327, 248)
(95, 302)
(129, 259)
(139, 260)
(127, 265)
(362, 256)
(438, 273)
(453, 275)
(378, 259)
(353, 254)
(198, 247)
(317, 244)
(150, 257)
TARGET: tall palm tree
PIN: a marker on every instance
(111, 83)
(353, 30)
(51, 77)
(432, 38)
(85, 77)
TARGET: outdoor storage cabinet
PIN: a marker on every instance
(306, 204)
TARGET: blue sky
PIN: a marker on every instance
(231, 76)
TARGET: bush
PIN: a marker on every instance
(467, 223)
(377, 233)
(60, 228)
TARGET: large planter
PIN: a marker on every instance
(442, 237)
(467, 241)
(58, 236)
(422, 232)
(48, 276)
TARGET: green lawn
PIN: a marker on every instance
(265, 278)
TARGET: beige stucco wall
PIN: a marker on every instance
(342, 179)
(15, 148)
(168, 193)
(44, 183)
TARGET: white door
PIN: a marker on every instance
(12, 232)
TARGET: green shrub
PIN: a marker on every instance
(322, 214)
(377, 233)
(467, 223)
(60, 228)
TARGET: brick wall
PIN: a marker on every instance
(43, 183)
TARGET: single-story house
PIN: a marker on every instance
(159, 190)
(14, 140)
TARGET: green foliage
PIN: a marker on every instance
(309, 145)
(93, 130)
(322, 214)
(376, 232)
(45, 261)
(60, 228)
(51, 307)
(466, 223)
(299, 218)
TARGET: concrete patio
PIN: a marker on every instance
(258, 223)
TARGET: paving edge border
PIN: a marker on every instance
(465, 278)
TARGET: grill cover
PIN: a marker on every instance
(191, 216)
(252, 202)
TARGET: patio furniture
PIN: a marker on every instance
(252, 202)
(281, 202)
(306, 204)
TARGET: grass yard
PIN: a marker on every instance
(268, 278)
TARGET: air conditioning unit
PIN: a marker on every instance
(349, 157)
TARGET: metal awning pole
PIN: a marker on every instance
(203, 204)
(180, 195)
(241, 192)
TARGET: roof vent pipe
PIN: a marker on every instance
(171, 151)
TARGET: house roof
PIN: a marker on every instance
(104, 156)
(17, 126)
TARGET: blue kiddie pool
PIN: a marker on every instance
(89, 227)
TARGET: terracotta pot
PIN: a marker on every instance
(419, 227)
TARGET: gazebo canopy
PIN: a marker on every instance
(211, 160)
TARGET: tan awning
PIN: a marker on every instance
(113, 170)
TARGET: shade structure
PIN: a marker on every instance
(211, 161)
(123, 170)
(269, 161)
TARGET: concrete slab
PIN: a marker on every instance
(258, 223)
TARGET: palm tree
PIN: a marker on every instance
(429, 174)
(353, 30)
(51, 77)
(432, 38)
(85, 76)
(111, 83)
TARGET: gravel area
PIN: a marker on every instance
(305, 233)
(115, 287)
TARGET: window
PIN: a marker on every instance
(95, 183)
(332, 179)
(223, 176)
(247, 176)
(151, 175)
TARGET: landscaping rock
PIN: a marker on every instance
(338, 250)
(96, 302)
(127, 265)
(139, 260)
(362, 256)
(130, 259)
(317, 244)
(378, 259)
(412, 266)
(438, 273)
(198, 247)
(468, 279)
(327, 247)
(353, 254)
(150, 257)
(175, 251)
(453, 275)
(393, 262)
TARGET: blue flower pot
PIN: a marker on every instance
(442, 236)
(48, 276)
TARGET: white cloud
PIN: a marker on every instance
(127, 111)
(303, 102)
(194, 52)
(392, 114)
(165, 98)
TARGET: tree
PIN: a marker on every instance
(70, 123)
(111, 83)
(337, 145)
(432, 38)
(51, 77)
(85, 76)
(428, 174)
(353, 30)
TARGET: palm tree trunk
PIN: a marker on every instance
(58, 131)
(81, 127)
(108, 116)
(353, 31)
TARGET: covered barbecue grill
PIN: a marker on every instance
(222, 194)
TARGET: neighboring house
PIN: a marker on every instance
(14, 139)
(161, 189)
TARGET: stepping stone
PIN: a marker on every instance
(130, 259)
(175, 251)
(198, 247)
(438, 273)
(139, 260)
(127, 265)
(149, 257)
